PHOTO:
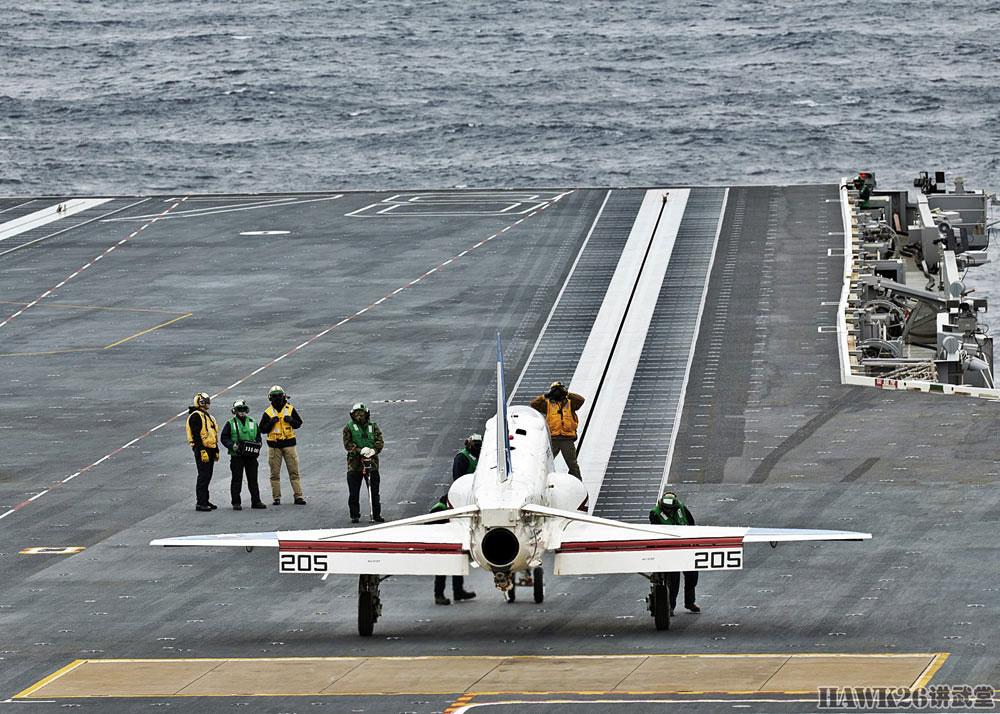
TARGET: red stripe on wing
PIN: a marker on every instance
(602, 546)
(342, 546)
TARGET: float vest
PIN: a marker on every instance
(209, 430)
(678, 519)
(247, 431)
(362, 436)
(280, 431)
(561, 419)
(472, 460)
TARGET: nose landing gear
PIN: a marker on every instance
(534, 579)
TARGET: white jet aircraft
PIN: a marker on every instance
(503, 518)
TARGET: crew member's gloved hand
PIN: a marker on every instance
(203, 455)
(367, 452)
(287, 418)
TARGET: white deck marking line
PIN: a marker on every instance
(19, 205)
(569, 276)
(26, 244)
(75, 273)
(212, 210)
(694, 343)
(47, 215)
(312, 339)
(631, 322)
(354, 213)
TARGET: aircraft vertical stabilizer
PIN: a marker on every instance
(503, 435)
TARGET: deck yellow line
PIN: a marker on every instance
(49, 679)
(931, 670)
(50, 352)
(936, 663)
(151, 329)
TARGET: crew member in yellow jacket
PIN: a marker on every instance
(203, 437)
(278, 424)
(559, 406)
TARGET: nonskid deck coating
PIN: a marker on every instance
(796, 428)
(355, 676)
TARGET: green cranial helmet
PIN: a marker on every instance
(240, 406)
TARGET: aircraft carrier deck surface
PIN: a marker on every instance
(694, 316)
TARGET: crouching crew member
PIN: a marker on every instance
(279, 422)
(363, 443)
(458, 590)
(671, 511)
(203, 436)
(241, 437)
(559, 405)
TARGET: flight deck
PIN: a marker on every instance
(699, 322)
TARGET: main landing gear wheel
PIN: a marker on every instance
(369, 604)
(509, 595)
(537, 577)
(659, 603)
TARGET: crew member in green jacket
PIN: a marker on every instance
(241, 437)
(458, 590)
(464, 463)
(465, 460)
(363, 443)
(671, 511)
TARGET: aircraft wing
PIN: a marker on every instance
(586, 544)
(413, 546)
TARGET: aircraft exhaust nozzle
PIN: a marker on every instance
(500, 548)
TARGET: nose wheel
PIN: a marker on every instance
(534, 579)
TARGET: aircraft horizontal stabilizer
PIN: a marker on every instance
(429, 544)
(591, 545)
(422, 549)
(780, 535)
(243, 540)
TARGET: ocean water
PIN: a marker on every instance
(121, 97)
(275, 95)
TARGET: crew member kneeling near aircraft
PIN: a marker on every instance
(671, 511)
(241, 437)
(279, 422)
(203, 436)
(458, 590)
(363, 443)
(559, 405)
